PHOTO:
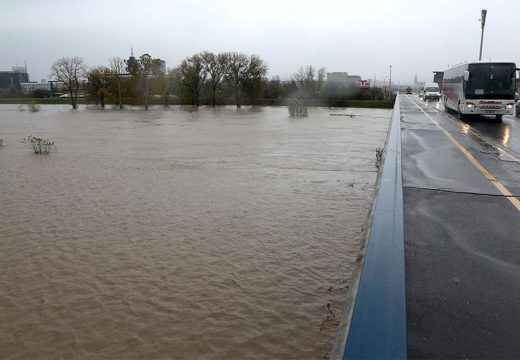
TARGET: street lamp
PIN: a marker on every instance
(482, 23)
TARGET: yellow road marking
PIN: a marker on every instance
(503, 190)
(482, 137)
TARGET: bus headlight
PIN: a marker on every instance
(510, 106)
(470, 105)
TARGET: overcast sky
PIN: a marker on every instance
(359, 37)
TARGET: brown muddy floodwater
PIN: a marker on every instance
(181, 233)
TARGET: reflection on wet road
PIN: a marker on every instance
(461, 204)
(504, 135)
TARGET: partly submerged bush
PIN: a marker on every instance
(33, 106)
(40, 146)
(297, 107)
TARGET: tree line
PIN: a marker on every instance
(203, 78)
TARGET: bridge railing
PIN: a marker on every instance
(378, 318)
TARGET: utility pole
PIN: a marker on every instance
(390, 82)
(482, 23)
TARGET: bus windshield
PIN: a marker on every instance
(491, 81)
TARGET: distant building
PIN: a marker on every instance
(53, 87)
(339, 79)
(130, 63)
(21, 69)
(159, 67)
(341, 84)
(13, 79)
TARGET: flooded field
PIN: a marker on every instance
(181, 233)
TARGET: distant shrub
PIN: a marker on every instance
(33, 106)
(297, 107)
(40, 146)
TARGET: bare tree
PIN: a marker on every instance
(117, 68)
(70, 71)
(241, 69)
(304, 78)
(163, 85)
(99, 83)
(193, 76)
(175, 81)
(320, 80)
(144, 67)
(309, 81)
(215, 67)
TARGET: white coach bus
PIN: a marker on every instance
(480, 88)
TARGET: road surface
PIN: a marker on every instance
(461, 190)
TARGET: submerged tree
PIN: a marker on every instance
(99, 83)
(40, 146)
(70, 71)
(193, 76)
(162, 86)
(297, 107)
(175, 82)
(215, 67)
(143, 70)
(242, 69)
(117, 69)
(146, 70)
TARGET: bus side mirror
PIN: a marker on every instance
(466, 75)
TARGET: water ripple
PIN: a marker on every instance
(217, 235)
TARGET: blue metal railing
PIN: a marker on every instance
(378, 326)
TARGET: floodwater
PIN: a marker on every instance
(181, 233)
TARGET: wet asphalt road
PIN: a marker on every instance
(462, 235)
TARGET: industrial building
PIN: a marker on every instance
(12, 79)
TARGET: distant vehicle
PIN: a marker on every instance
(480, 88)
(408, 90)
(431, 92)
